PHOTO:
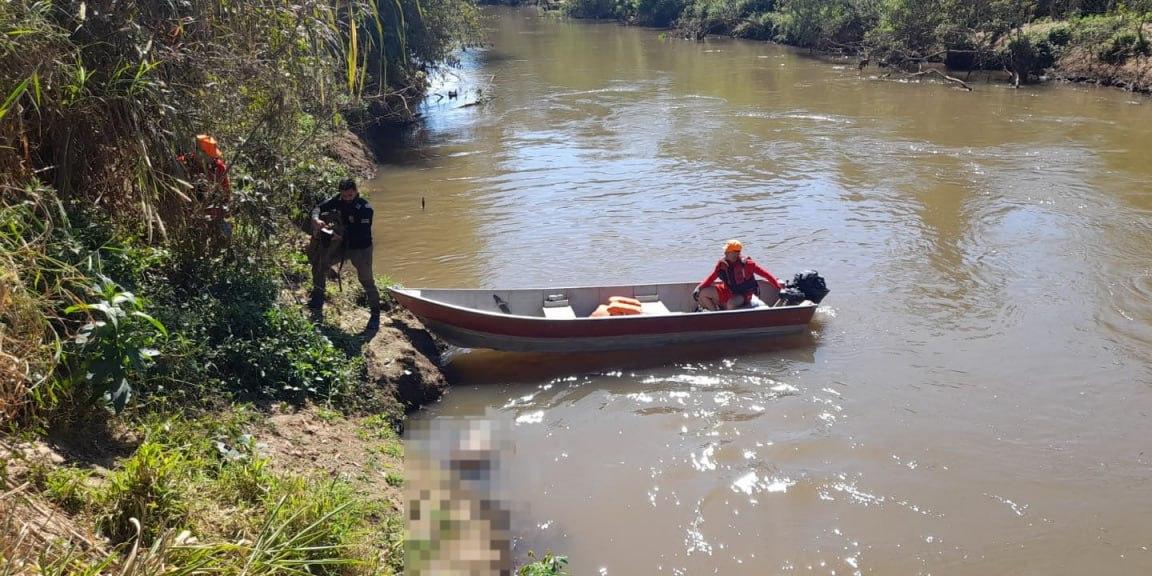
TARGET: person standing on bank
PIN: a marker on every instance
(356, 215)
(737, 284)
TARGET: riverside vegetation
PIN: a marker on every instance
(1104, 41)
(145, 355)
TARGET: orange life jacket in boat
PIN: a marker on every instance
(624, 309)
(624, 299)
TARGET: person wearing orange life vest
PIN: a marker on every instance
(209, 176)
(732, 284)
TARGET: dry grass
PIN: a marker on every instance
(13, 390)
(13, 331)
(35, 538)
(35, 285)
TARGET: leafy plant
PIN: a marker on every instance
(549, 565)
(287, 359)
(118, 343)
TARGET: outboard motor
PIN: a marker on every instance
(791, 296)
(807, 284)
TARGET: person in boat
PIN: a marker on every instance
(356, 246)
(732, 284)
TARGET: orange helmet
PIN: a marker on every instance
(733, 246)
(208, 145)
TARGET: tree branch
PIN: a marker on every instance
(935, 72)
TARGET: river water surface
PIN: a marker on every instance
(975, 395)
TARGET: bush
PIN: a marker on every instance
(659, 13)
(1022, 57)
(822, 24)
(115, 348)
(237, 341)
(756, 27)
(1122, 46)
(746, 18)
(1095, 30)
(38, 279)
(1060, 35)
(591, 8)
(285, 358)
(1035, 52)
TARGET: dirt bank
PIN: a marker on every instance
(401, 358)
(1082, 66)
(352, 151)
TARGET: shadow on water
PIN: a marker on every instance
(463, 366)
(402, 144)
(491, 56)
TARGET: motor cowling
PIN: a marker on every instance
(791, 296)
(808, 285)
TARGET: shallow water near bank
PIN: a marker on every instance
(974, 396)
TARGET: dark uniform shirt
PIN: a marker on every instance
(357, 220)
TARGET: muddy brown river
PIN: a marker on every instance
(975, 394)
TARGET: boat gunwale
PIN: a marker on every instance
(638, 317)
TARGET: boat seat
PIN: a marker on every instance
(558, 309)
(651, 304)
(656, 307)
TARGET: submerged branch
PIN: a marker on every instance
(936, 72)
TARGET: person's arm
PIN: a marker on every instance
(366, 215)
(710, 279)
(325, 206)
(222, 176)
(707, 282)
(756, 269)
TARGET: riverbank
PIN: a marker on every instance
(207, 478)
(165, 400)
(1105, 45)
(1082, 64)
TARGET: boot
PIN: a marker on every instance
(316, 306)
(316, 301)
(373, 322)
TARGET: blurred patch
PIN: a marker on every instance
(458, 516)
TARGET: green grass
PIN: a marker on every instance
(150, 488)
(204, 476)
(381, 429)
(394, 480)
(377, 427)
(69, 488)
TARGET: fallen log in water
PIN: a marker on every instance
(934, 72)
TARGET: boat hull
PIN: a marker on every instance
(471, 328)
(465, 338)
